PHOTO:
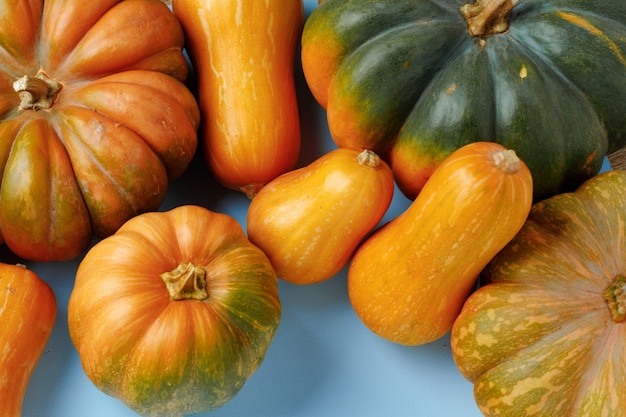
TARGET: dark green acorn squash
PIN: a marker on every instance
(416, 79)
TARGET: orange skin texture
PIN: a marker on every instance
(408, 281)
(243, 53)
(28, 313)
(412, 169)
(120, 128)
(310, 221)
(319, 64)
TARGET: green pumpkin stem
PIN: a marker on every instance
(186, 282)
(488, 17)
(38, 92)
(615, 296)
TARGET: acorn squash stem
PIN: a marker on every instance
(488, 17)
(186, 282)
(615, 296)
(38, 92)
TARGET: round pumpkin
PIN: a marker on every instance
(174, 312)
(546, 333)
(95, 119)
(414, 80)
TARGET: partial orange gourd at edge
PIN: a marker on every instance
(243, 53)
(28, 312)
(409, 280)
(310, 221)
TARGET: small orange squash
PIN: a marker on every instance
(310, 221)
(408, 281)
(243, 54)
(546, 333)
(28, 312)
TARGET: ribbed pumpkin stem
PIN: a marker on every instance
(488, 17)
(186, 282)
(38, 92)
(615, 296)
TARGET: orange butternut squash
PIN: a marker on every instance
(409, 280)
(28, 312)
(243, 53)
(310, 221)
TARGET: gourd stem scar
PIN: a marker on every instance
(186, 282)
(38, 92)
(488, 17)
(615, 295)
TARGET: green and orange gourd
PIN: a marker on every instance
(174, 312)
(546, 332)
(413, 80)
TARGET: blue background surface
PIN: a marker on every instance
(323, 361)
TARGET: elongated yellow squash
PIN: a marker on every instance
(408, 281)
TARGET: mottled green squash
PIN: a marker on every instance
(545, 335)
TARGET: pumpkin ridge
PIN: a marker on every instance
(96, 162)
(531, 46)
(578, 20)
(346, 110)
(561, 339)
(173, 155)
(536, 53)
(596, 365)
(557, 164)
(130, 380)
